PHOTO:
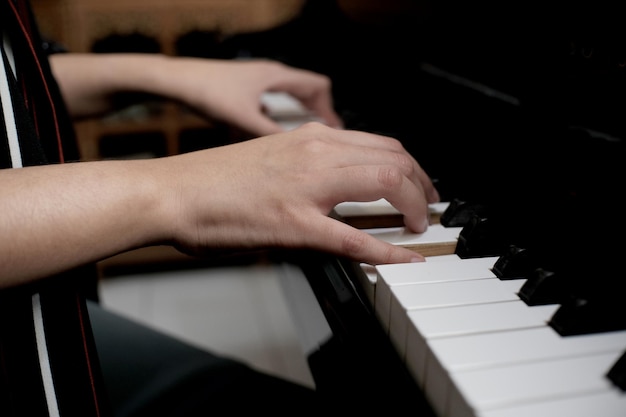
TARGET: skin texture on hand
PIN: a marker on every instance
(273, 191)
(277, 191)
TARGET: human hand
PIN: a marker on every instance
(277, 191)
(231, 91)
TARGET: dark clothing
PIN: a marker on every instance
(48, 360)
(63, 355)
(181, 380)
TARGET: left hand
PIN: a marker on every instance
(230, 91)
(225, 90)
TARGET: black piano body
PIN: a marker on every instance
(511, 107)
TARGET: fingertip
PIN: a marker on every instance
(410, 256)
(435, 197)
(420, 226)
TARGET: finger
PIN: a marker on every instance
(258, 124)
(431, 193)
(322, 106)
(314, 92)
(343, 240)
(385, 143)
(370, 183)
(346, 152)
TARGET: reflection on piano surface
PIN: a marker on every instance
(518, 114)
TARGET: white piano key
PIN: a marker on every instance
(438, 208)
(286, 110)
(367, 280)
(448, 269)
(381, 207)
(492, 388)
(480, 318)
(443, 258)
(435, 235)
(490, 350)
(425, 324)
(436, 240)
(405, 298)
(393, 275)
(482, 350)
(280, 105)
(602, 404)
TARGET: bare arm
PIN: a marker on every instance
(275, 191)
(59, 216)
(225, 90)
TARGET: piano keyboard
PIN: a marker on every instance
(469, 341)
(474, 347)
(437, 240)
(380, 213)
(285, 110)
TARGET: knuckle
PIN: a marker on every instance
(354, 243)
(405, 162)
(390, 177)
(394, 144)
(387, 255)
(315, 140)
(315, 127)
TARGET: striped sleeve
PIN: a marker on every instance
(48, 359)
(20, 142)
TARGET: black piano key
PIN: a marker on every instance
(579, 316)
(515, 263)
(460, 212)
(617, 373)
(542, 287)
(480, 237)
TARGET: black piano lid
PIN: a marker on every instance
(547, 161)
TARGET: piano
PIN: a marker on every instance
(517, 112)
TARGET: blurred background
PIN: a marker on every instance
(513, 105)
(326, 36)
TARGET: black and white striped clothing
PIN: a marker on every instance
(48, 362)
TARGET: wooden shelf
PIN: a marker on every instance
(170, 121)
(77, 24)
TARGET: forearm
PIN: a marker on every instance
(90, 82)
(61, 216)
(274, 191)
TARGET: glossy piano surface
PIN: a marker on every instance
(517, 112)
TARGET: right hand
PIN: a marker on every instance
(277, 191)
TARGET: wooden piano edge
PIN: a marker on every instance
(433, 249)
